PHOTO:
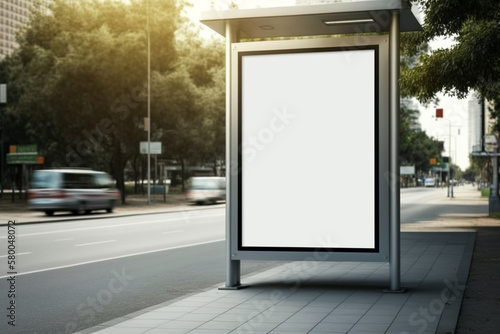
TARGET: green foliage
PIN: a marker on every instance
(481, 167)
(77, 84)
(471, 174)
(474, 61)
(416, 148)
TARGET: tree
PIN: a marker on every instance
(189, 102)
(472, 63)
(416, 148)
(79, 77)
(482, 168)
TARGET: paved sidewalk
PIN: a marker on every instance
(327, 297)
(339, 297)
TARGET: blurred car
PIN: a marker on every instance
(430, 182)
(75, 190)
(209, 189)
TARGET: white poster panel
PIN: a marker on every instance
(308, 145)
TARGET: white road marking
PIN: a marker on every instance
(169, 232)
(116, 257)
(17, 254)
(95, 243)
(114, 226)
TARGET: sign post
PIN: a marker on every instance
(149, 147)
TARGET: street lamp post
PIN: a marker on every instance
(3, 101)
(439, 114)
(450, 184)
(456, 152)
(149, 108)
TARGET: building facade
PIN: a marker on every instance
(475, 123)
(14, 14)
(479, 121)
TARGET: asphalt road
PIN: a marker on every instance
(78, 274)
(427, 204)
(61, 244)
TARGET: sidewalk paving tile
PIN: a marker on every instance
(329, 298)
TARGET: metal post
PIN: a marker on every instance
(3, 157)
(494, 186)
(149, 109)
(494, 199)
(395, 219)
(156, 175)
(449, 161)
(233, 267)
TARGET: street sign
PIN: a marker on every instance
(24, 155)
(155, 147)
(439, 113)
(23, 149)
(3, 93)
(432, 161)
(407, 170)
(490, 144)
(24, 159)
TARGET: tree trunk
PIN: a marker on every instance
(136, 175)
(183, 175)
(119, 166)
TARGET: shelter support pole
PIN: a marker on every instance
(233, 271)
(395, 218)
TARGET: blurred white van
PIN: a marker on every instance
(208, 189)
(75, 190)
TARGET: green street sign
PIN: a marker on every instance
(28, 159)
(442, 165)
(25, 149)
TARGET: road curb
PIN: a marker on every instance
(118, 215)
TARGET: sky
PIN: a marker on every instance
(455, 110)
(208, 5)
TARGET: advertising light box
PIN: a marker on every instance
(311, 148)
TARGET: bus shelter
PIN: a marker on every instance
(312, 115)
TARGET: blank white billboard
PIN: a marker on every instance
(308, 149)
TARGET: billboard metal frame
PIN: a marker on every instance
(381, 230)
